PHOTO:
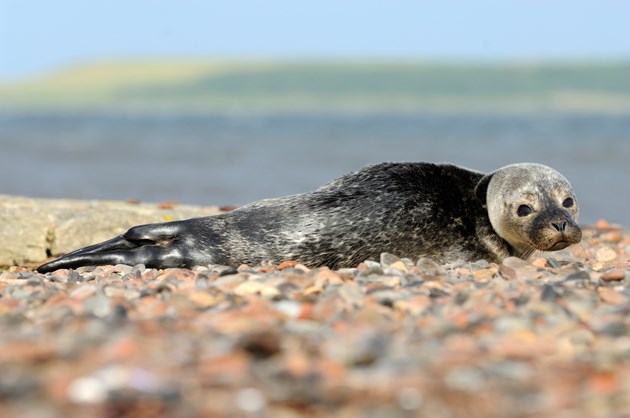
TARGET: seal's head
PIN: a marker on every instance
(532, 207)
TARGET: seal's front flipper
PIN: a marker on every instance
(144, 244)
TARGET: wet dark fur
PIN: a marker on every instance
(409, 209)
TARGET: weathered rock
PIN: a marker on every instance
(36, 229)
(25, 234)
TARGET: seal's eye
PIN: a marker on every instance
(568, 202)
(524, 210)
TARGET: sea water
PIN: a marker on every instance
(231, 159)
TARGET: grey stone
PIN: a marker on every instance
(388, 259)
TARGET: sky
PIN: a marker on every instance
(39, 36)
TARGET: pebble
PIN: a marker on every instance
(614, 275)
(226, 271)
(514, 262)
(549, 293)
(286, 264)
(98, 305)
(465, 379)
(312, 290)
(398, 266)
(350, 291)
(228, 282)
(507, 272)
(83, 291)
(250, 400)
(602, 224)
(388, 259)
(428, 265)
(605, 254)
(205, 299)
(410, 398)
(484, 275)
(253, 287)
(609, 295)
(578, 276)
(540, 262)
(110, 382)
(87, 390)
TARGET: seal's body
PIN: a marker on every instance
(410, 209)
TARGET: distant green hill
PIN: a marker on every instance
(330, 86)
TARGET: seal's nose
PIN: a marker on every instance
(559, 226)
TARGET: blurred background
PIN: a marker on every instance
(216, 102)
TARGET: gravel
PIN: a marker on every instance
(392, 337)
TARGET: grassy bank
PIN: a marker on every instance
(271, 85)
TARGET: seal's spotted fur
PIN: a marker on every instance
(409, 209)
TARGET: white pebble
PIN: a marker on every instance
(290, 308)
(87, 390)
(410, 398)
(250, 400)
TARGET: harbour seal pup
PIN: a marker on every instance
(413, 210)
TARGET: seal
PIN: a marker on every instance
(413, 210)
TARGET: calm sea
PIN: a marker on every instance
(234, 159)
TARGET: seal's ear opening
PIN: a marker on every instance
(481, 188)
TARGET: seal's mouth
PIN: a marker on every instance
(560, 245)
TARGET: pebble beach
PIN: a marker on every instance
(547, 337)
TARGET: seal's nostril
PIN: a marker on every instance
(559, 226)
